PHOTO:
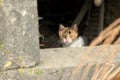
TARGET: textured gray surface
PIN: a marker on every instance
(19, 30)
(59, 63)
(65, 57)
(18, 34)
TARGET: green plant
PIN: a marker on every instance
(39, 71)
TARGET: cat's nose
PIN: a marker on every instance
(67, 40)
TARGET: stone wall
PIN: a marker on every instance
(19, 32)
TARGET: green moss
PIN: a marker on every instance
(1, 2)
(21, 70)
(39, 71)
(1, 45)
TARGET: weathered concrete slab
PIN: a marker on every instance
(59, 63)
(19, 31)
(66, 57)
(48, 74)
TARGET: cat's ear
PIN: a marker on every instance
(75, 27)
(61, 27)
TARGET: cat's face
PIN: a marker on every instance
(68, 34)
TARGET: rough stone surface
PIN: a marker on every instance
(19, 48)
(65, 57)
(48, 74)
(19, 30)
(59, 63)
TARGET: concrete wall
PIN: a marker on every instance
(19, 31)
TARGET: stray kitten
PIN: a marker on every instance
(69, 36)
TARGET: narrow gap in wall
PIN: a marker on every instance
(52, 14)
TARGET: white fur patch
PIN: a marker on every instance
(80, 42)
